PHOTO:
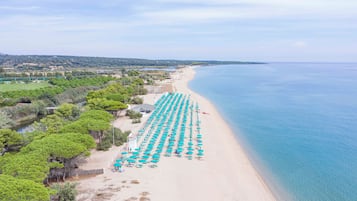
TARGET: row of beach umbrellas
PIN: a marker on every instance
(170, 109)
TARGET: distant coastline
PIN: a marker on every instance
(14, 61)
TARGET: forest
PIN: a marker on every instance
(31, 160)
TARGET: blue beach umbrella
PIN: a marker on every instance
(143, 161)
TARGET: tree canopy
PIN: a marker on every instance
(67, 111)
(34, 161)
(97, 114)
(22, 189)
(105, 104)
(9, 138)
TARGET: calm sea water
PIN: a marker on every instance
(297, 121)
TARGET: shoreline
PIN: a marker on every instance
(247, 150)
(263, 183)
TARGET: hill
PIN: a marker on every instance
(45, 61)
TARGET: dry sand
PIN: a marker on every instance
(225, 173)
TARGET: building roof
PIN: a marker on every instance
(143, 108)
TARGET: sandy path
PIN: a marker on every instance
(225, 173)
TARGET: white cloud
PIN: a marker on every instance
(314, 7)
(223, 10)
(16, 8)
(208, 14)
(299, 44)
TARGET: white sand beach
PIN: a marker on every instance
(225, 172)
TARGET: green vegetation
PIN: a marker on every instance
(35, 101)
(22, 189)
(60, 139)
(8, 140)
(32, 94)
(65, 192)
(23, 86)
(78, 82)
(133, 115)
(137, 100)
(119, 139)
(35, 160)
(116, 96)
(43, 62)
(74, 95)
(5, 120)
(67, 111)
(105, 104)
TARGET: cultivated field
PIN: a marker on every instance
(22, 86)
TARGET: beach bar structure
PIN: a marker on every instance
(132, 142)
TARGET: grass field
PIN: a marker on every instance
(22, 86)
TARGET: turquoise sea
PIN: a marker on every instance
(296, 121)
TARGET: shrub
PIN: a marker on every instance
(133, 115)
(65, 192)
(136, 121)
(105, 144)
(5, 120)
(137, 100)
(120, 137)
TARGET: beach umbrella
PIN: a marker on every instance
(142, 161)
(155, 161)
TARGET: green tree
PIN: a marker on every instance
(78, 126)
(51, 124)
(31, 166)
(21, 189)
(133, 73)
(9, 139)
(97, 114)
(105, 104)
(61, 150)
(118, 97)
(67, 111)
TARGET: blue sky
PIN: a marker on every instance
(255, 30)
